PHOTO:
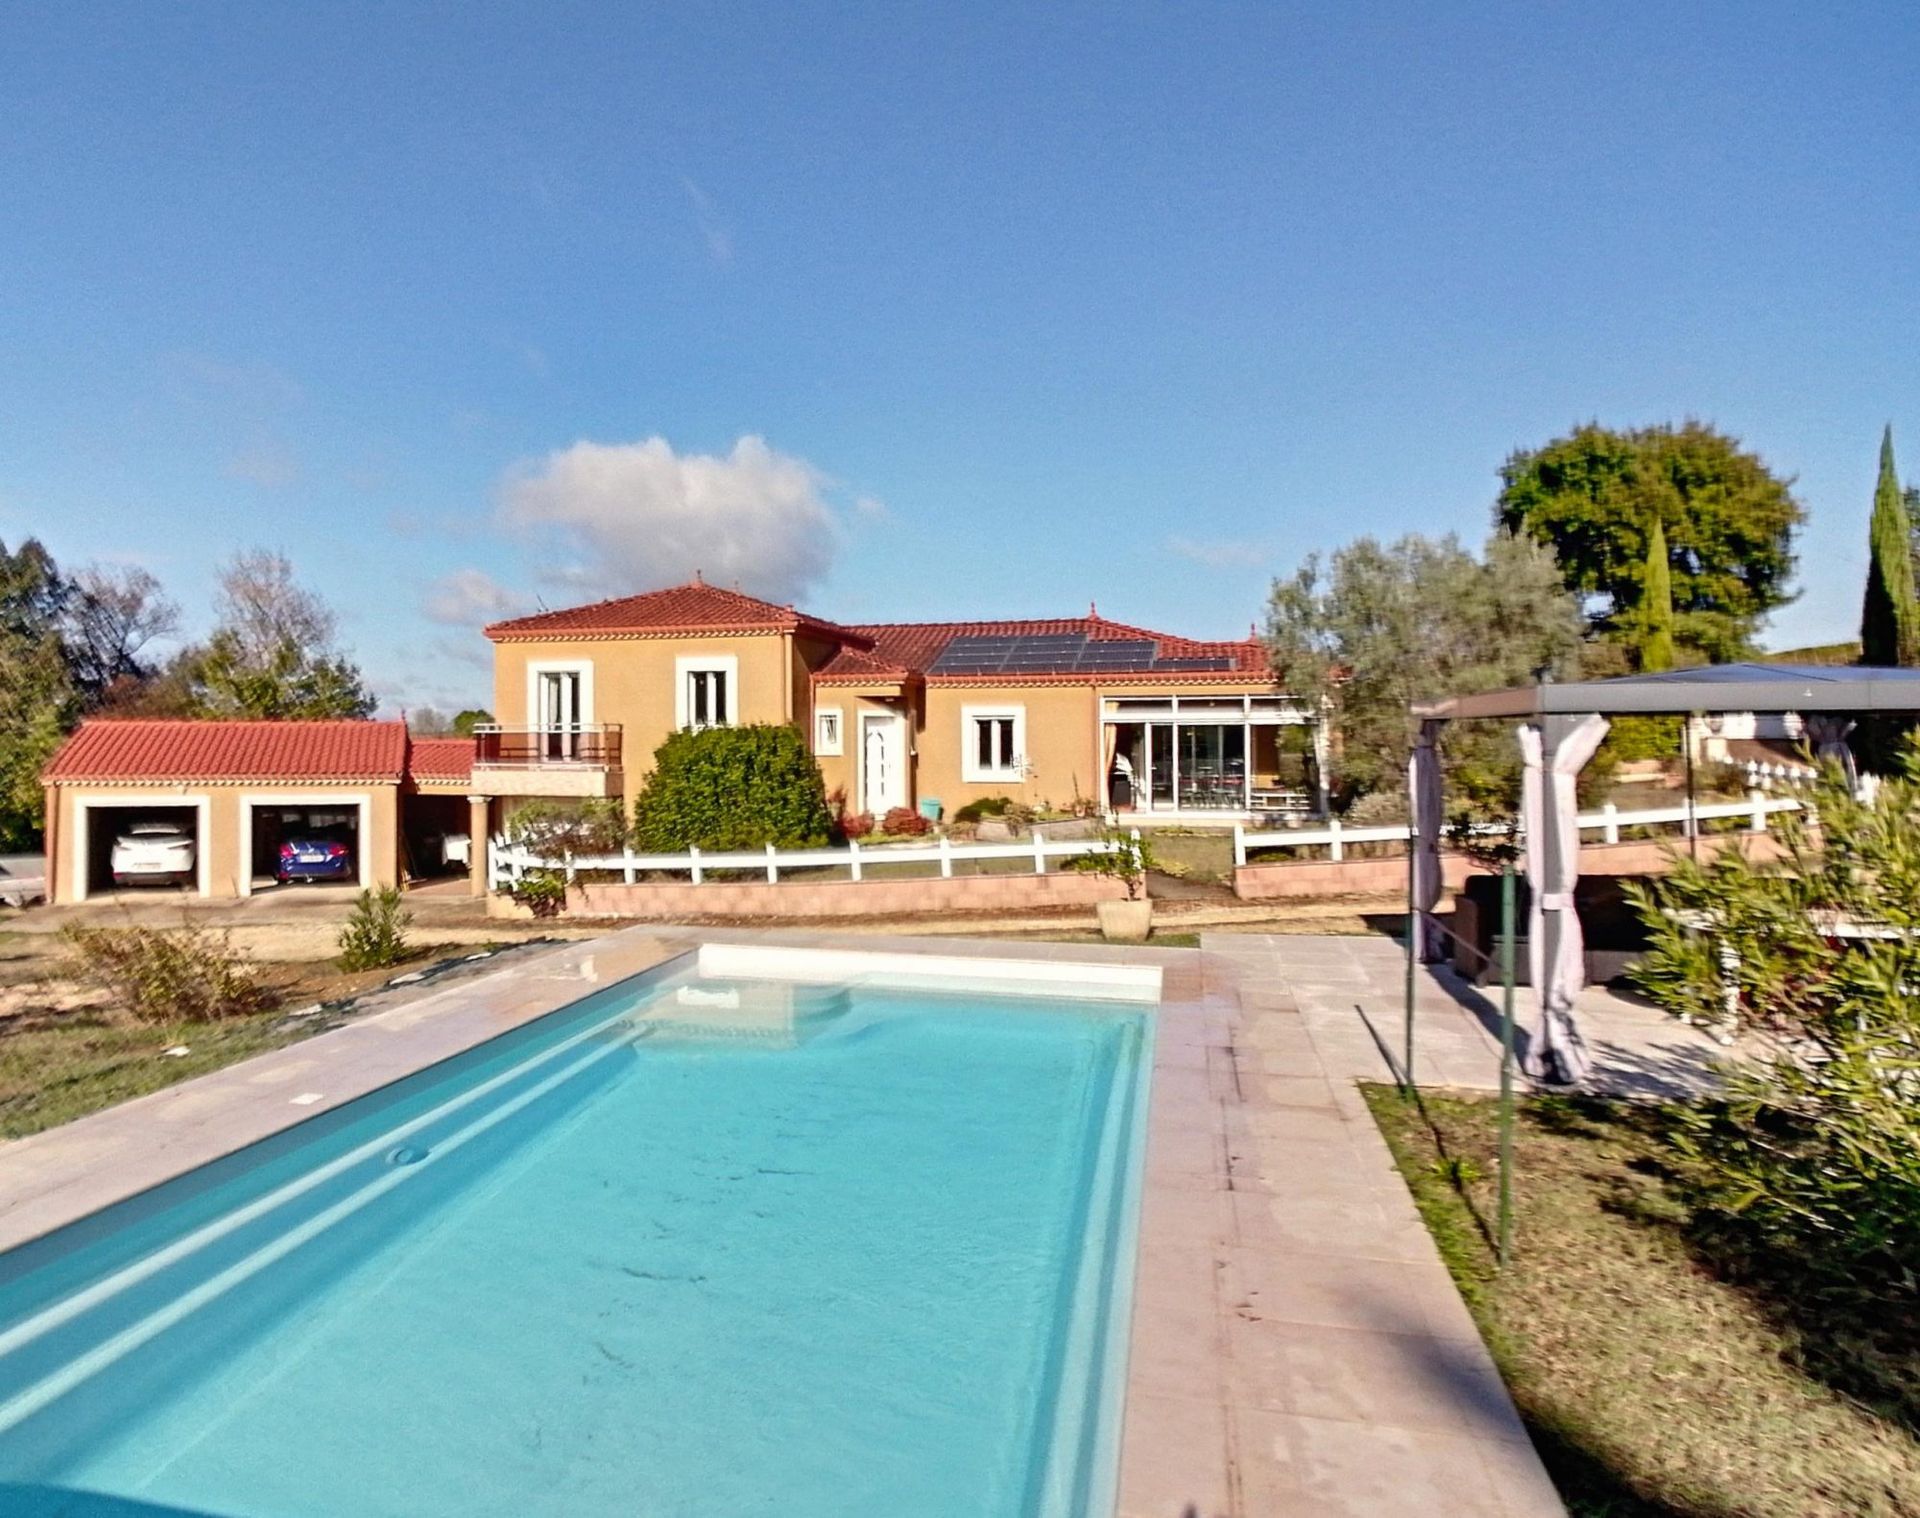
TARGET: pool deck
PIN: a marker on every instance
(1298, 1347)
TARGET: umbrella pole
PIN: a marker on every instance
(1413, 960)
(1506, 1062)
(1686, 751)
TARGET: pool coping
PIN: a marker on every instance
(1296, 1343)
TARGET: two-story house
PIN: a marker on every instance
(900, 714)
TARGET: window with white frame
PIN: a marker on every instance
(826, 731)
(707, 693)
(993, 742)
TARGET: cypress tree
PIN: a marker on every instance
(1887, 615)
(1656, 605)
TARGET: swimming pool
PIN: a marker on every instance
(698, 1244)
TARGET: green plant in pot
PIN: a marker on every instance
(1126, 858)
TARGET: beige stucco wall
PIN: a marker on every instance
(1062, 743)
(635, 681)
(221, 839)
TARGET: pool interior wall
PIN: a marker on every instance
(697, 1244)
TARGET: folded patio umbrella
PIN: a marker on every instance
(1550, 812)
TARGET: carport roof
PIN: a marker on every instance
(146, 750)
(1709, 688)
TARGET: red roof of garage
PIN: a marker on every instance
(136, 750)
(441, 759)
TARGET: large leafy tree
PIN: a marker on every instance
(110, 617)
(37, 698)
(273, 653)
(1377, 626)
(1889, 620)
(1729, 522)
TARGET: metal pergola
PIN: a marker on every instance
(1560, 717)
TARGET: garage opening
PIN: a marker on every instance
(144, 846)
(308, 844)
(434, 831)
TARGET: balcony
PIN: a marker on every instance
(578, 759)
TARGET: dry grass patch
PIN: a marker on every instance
(1652, 1384)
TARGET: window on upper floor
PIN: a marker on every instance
(707, 691)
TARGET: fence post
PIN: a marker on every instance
(1757, 822)
(1336, 850)
(570, 869)
(1039, 853)
(853, 856)
(1239, 846)
(1611, 826)
(693, 854)
(626, 863)
(946, 857)
(773, 866)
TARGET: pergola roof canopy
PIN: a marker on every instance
(1710, 688)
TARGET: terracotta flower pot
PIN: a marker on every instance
(1126, 921)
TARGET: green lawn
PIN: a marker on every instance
(64, 1069)
(1653, 1387)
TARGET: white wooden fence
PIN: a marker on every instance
(509, 862)
(1608, 821)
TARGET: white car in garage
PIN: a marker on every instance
(154, 853)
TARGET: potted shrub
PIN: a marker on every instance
(1127, 857)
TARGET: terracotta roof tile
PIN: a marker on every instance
(694, 607)
(440, 758)
(144, 749)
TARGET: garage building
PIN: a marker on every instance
(238, 790)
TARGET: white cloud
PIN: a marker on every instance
(473, 598)
(616, 518)
(1226, 553)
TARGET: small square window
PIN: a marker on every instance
(826, 731)
(994, 743)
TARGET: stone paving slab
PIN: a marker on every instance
(1298, 1346)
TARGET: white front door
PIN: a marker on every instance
(883, 767)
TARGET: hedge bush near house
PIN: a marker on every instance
(732, 788)
(555, 829)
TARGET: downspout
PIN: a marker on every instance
(786, 677)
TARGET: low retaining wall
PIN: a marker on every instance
(1385, 877)
(677, 900)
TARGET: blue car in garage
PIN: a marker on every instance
(314, 857)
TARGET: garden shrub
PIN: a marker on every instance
(559, 829)
(166, 976)
(732, 788)
(541, 892)
(857, 825)
(1807, 1174)
(986, 806)
(905, 822)
(376, 932)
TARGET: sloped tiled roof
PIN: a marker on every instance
(149, 749)
(691, 608)
(905, 648)
(440, 759)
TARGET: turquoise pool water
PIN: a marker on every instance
(682, 1248)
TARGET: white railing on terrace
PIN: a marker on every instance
(1608, 822)
(510, 862)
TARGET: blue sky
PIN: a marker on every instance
(466, 307)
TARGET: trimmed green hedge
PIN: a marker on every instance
(732, 788)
